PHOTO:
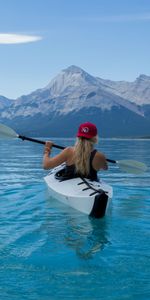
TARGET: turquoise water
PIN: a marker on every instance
(50, 251)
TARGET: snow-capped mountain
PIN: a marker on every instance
(4, 102)
(74, 96)
(137, 92)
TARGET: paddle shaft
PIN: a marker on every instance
(54, 145)
(111, 161)
(38, 141)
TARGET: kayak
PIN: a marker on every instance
(89, 197)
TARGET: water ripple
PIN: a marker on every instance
(47, 250)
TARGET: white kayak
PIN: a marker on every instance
(89, 197)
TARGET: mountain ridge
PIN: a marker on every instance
(77, 94)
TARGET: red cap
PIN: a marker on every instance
(87, 130)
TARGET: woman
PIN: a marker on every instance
(81, 159)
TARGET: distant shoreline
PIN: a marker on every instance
(132, 137)
(103, 138)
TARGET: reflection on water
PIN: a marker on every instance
(86, 238)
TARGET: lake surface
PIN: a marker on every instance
(50, 251)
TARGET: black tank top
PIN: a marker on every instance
(70, 170)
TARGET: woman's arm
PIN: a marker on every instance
(52, 162)
(100, 162)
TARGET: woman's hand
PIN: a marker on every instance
(48, 147)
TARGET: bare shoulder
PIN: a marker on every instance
(68, 150)
(67, 153)
(100, 155)
(99, 161)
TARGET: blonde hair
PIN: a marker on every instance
(83, 148)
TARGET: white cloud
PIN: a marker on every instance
(11, 38)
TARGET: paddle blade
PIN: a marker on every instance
(7, 132)
(132, 166)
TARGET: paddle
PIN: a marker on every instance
(130, 166)
(7, 132)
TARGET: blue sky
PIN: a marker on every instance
(38, 38)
